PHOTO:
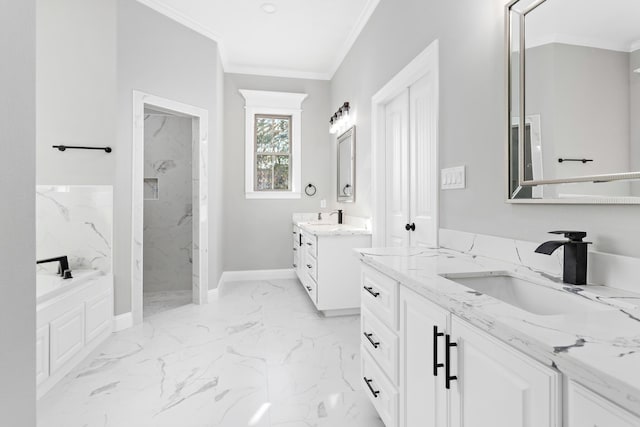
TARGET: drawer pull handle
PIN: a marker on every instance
(309, 266)
(295, 265)
(309, 244)
(370, 290)
(436, 365)
(295, 232)
(447, 362)
(309, 288)
(295, 249)
(374, 392)
(373, 343)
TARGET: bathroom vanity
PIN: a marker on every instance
(326, 266)
(442, 347)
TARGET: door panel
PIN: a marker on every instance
(497, 385)
(423, 134)
(397, 170)
(423, 398)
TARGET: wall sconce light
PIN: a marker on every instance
(340, 120)
(637, 71)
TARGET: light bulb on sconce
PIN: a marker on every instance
(340, 121)
(637, 71)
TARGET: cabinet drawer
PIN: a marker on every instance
(381, 392)
(381, 343)
(380, 296)
(296, 258)
(310, 286)
(67, 337)
(589, 409)
(310, 266)
(42, 354)
(311, 245)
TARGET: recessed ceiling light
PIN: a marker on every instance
(269, 8)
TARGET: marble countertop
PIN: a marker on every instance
(599, 349)
(319, 228)
(50, 285)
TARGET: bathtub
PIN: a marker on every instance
(73, 317)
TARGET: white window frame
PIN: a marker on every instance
(259, 102)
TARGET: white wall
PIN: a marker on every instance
(258, 232)
(472, 119)
(161, 57)
(76, 90)
(17, 214)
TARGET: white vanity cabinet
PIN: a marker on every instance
(328, 269)
(490, 383)
(587, 409)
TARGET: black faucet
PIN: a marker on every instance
(63, 266)
(339, 212)
(575, 255)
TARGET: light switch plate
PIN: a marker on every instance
(323, 204)
(453, 178)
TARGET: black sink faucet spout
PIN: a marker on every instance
(63, 266)
(339, 212)
(575, 255)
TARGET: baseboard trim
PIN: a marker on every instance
(122, 322)
(240, 276)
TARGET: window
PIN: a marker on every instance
(273, 144)
(273, 153)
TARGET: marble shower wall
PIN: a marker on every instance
(168, 222)
(76, 221)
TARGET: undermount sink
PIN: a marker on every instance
(527, 295)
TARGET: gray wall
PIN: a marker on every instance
(168, 225)
(258, 232)
(159, 56)
(582, 97)
(472, 119)
(17, 215)
(76, 90)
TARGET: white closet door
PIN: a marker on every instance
(397, 170)
(423, 134)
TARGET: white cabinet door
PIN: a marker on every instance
(423, 164)
(587, 409)
(42, 354)
(423, 398)
(397, 170)
(98, 316)
(498, 386)
(67, 337)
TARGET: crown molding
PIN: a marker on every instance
(361, 22)
(276, 72)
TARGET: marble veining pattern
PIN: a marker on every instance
(168, 228)
(76, 221)
(599, 349)
(258, 355)
(160, 301)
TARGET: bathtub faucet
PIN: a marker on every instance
(63, 266)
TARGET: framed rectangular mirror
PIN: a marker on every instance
(573, 85)
(347, 166)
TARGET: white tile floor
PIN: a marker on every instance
(259, 356)
(158, 301)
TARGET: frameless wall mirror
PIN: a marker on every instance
(346, 166)
(574, 101)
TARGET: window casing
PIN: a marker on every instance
(273, 166)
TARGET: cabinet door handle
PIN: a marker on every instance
(410, 227)
(370, 290)
(436, 365)
(447, 362)
(373, 391)
(373, 343)
(295, 232)
(309, 244)
(300, 239)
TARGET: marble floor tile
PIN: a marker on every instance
(155, 302)
(260, 355)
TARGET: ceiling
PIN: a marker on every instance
(605, 24)
(302, 38)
